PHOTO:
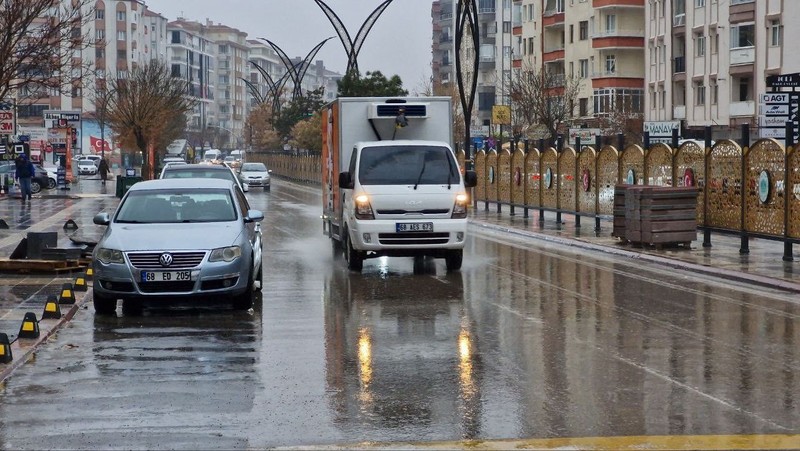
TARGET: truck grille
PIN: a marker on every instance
(431, 211)
(413, 238)
(180, 260)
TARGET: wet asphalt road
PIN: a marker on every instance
(526, 341)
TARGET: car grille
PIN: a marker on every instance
(413, 239)
(180, 260)
(166, 287)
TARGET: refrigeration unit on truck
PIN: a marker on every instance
(391, 183)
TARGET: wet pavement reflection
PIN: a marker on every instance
(528, 340)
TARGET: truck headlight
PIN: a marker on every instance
(107, 256)
(460, 207)
(363, 208)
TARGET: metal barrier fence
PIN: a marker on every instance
(749, 191)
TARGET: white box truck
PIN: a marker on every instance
(391, 183)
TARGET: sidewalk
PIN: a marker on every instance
(763, 266)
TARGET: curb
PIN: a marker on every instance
(754, 279)
(47, 327)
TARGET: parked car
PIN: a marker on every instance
(178, 238)
(86, 166)
(95, 158)
(255, 174)
(38, 182)
(202, 171)
(48, 173)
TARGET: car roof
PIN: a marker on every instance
(178, 183)
(198, 167)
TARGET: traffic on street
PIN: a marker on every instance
(529, 340)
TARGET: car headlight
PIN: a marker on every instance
(107, 256)
(227, 254)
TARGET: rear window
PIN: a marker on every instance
(199, 173)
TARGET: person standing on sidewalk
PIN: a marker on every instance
(23, 174)
(103, 170)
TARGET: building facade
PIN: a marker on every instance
(191, 57)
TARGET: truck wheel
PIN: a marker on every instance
(454, 259)
(355, 259)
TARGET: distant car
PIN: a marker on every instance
(178, 238)
(172, 163)
(38, 181)
(95, 158)
(255, 174)
(173, 160)
(87, 166)
(207, 171)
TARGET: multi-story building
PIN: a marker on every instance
(191, 57)
(267, 59)
(708, 60)
(231, 52)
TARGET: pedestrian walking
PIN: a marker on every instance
(103, 170)
(23, 175)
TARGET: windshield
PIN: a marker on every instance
(407, 165)
(172, 206)
(255, 167)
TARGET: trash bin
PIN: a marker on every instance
(125, 183)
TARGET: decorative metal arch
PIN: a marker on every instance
(275, 87)
(254, 91)
(352, 48)
(467, 15)
(296, 74)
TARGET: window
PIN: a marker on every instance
(611, 23)
(100, 34)
(100, 14)
(583, 68)
(176, 37)
(700, 94)
(714, 93)
(223, 49)
(121, 55)
(611, 64)
(120, 16)
(776, 33)
(583, 30)
(76, 91)
(122, 35)
(176, 70)
(583, 107)
(506, 27)
(485, 101)
(699, 45)
(714, 43)
(571, 69)
(99, 53)
(610, 100)
(699, 3)
(571, 33)
(743, 36)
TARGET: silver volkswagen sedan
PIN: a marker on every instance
(178, 238)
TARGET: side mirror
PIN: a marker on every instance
(345, 180)
(470, 179)
(254, 216)
(102, 219)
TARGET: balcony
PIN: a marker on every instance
(556, 80)
(598, 4)
(621, 39)
(680, 64)
(746, 108)
(744, 55)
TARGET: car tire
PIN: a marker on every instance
(51, 183)
(355, 259)
(454, 259)
(36, 187)
(104, 305)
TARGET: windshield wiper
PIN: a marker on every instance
(422, 171)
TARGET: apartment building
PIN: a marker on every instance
(231, 52)
(708, 60)
(192, 58)
(268, 60)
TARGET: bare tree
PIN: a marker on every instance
(543, 99)
(626, 118)
(38, 39)
(148, 110)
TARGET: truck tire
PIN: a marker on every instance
(454, 259)
(355, 259)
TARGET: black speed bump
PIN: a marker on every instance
(51, 308)
(29, 327)
(67, 294)
(80, 284)
(5, 349)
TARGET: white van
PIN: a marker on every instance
(212, 154)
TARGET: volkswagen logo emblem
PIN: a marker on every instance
(165, 259)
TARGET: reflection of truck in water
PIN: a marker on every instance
(400, 353)
(391, 183)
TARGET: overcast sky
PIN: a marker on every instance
(399, 42)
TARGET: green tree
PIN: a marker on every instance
(148, 109)
(297, 110)
(373, 84)
(307, 134)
